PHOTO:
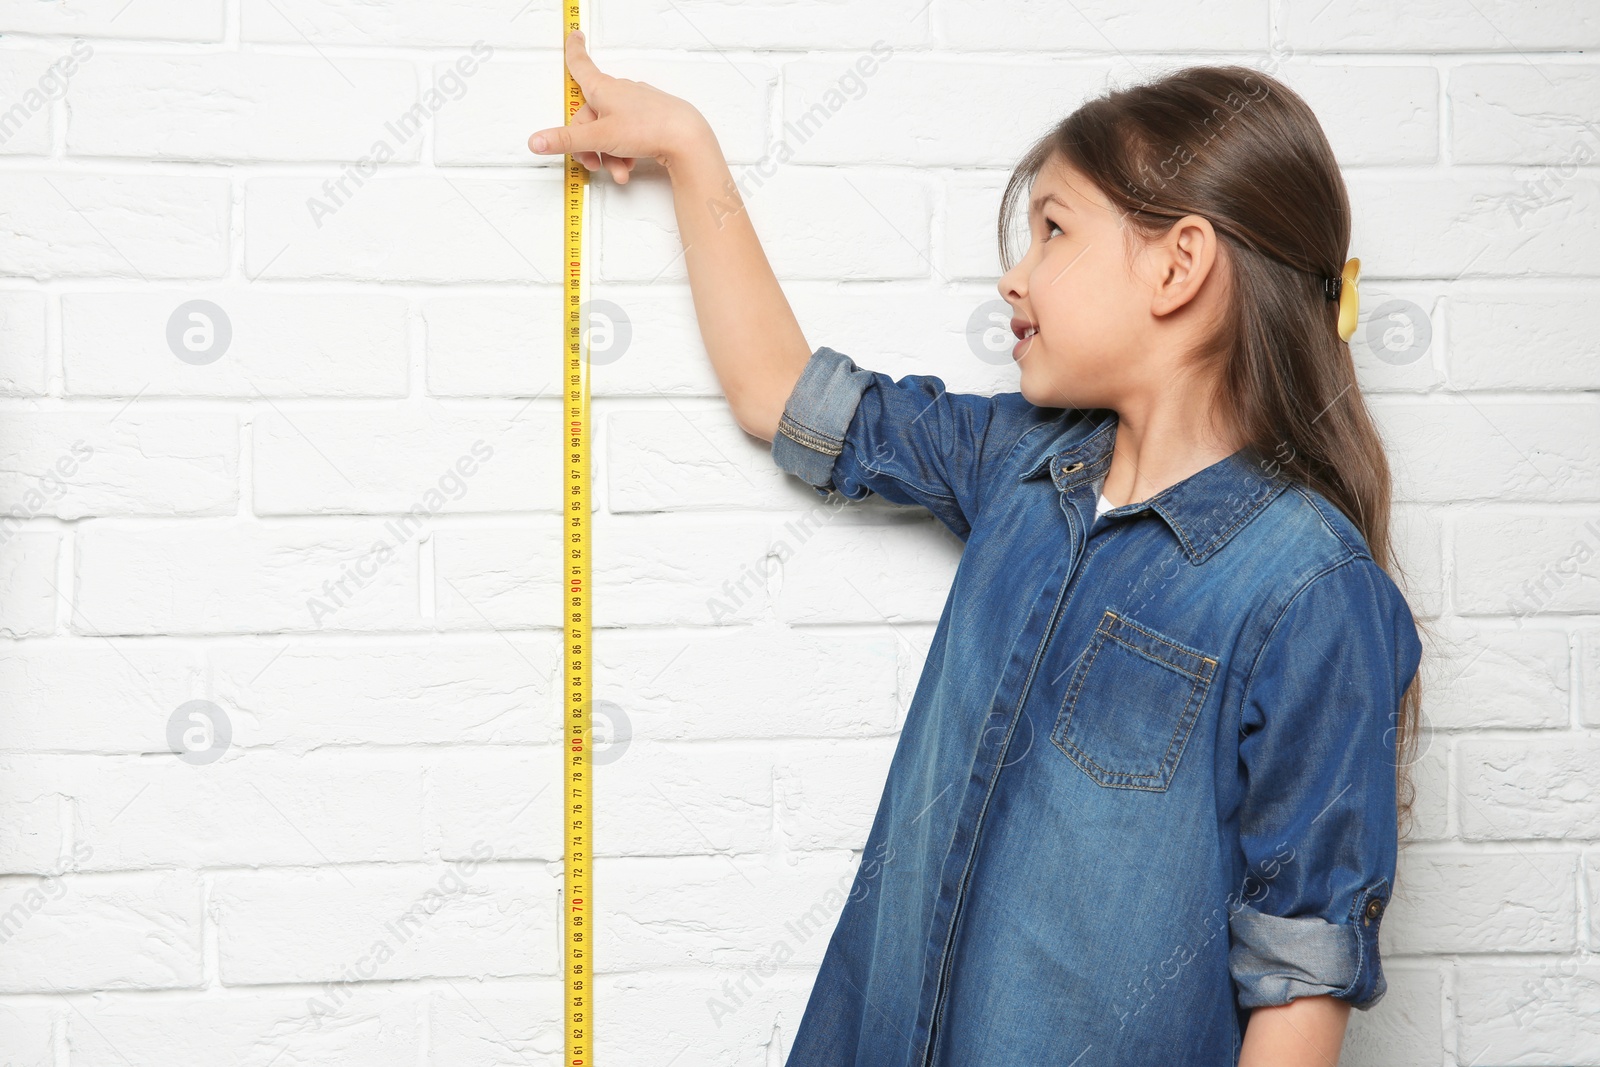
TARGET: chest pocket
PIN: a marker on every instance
(1131, 705)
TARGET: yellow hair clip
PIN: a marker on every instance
(1344, 289)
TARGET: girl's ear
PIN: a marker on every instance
(1182, 258)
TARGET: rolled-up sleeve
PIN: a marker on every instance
(909, 440)
(1317, 823)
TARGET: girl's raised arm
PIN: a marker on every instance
(756, 347)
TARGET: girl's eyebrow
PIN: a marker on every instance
(1048, 198)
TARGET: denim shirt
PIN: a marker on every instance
(1147, 779)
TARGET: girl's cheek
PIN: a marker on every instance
(1052, 303)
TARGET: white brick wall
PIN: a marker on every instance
(347, 182)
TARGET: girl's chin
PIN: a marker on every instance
(1032, 395)
(1041, 396)
(1028, 385)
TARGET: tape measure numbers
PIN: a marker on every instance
(578, 828)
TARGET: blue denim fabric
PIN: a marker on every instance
(1147, 779)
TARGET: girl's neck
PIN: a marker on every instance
(1151, 455)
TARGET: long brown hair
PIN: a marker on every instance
(1241, 149)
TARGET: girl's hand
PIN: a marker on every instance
(620, 121)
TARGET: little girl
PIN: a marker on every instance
(1145, 805)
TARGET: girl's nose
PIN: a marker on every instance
(1011, 288)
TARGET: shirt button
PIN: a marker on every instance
(1071, 467)
(1374, 908)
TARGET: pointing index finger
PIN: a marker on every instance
(584, 72)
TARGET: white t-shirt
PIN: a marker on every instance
(1103, 506)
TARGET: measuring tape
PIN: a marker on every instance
(577, 900)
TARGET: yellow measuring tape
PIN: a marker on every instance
(577, 898)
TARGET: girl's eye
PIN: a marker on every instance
(1049, 226)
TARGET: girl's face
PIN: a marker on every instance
(1074, 287)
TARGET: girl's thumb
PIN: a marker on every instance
(591, 136)
(551, 141)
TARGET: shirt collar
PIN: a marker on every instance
(1204, 510)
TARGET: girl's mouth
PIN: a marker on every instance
(1024, 336)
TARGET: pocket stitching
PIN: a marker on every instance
(1188, 715)
(1124, 622)
(1189, 703)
